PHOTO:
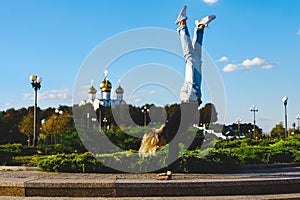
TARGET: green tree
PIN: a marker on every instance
(9, 126)
(26, 126)
(55, 126)
(278, 131)
(170, 109)
(208, 114)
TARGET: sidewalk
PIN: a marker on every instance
(28, 182)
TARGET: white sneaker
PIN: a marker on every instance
(181, 16)
(205, 21)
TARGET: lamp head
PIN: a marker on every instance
(39, 79)
(32, 78)
(284, 100)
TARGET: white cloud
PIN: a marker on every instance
(59, 94)
(254, 62)
(223, 59)
(54, 95)
(269, 66)
(230, 68)
(298, 32)
(210, 1)
(248, 64)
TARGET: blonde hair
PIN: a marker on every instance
(150, 141)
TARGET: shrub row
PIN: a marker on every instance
(224, 157)
(67, 163)
(9, 151)
(87, 162)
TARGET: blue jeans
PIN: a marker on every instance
(191, 88)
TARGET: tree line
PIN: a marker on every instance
(16, 126)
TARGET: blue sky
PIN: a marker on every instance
(255, 46)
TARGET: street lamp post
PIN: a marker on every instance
(249, 133)
(36, 85)
(100, 117)
(294, 128)
(57, 112)
(284, 100)
(298, 118)
(239, 125)
(254, 109)
(145, 110)
(94, 120)
(105, 123)
(88, 120)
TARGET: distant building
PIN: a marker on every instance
(105, 96)
(105, 88)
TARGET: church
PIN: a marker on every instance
(105, 96)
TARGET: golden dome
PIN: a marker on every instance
(92, 90)
(119, 90)
(105, 85)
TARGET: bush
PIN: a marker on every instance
(281, 156)
(9, 151)
(20, 160)
(211, 162)
(131, 161)
(226, 156)
(18, 149)
(251, 154)
(67, 163)
(221, 144)
(127, 161)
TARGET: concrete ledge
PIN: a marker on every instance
(70, 188)
(12, 187)
(28, 182)
(210, 188)
(12, 191)
(70, 192)
(149, 187)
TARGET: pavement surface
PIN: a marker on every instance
(239, 197)
(278, 182)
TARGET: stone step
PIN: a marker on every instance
(129, 187)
